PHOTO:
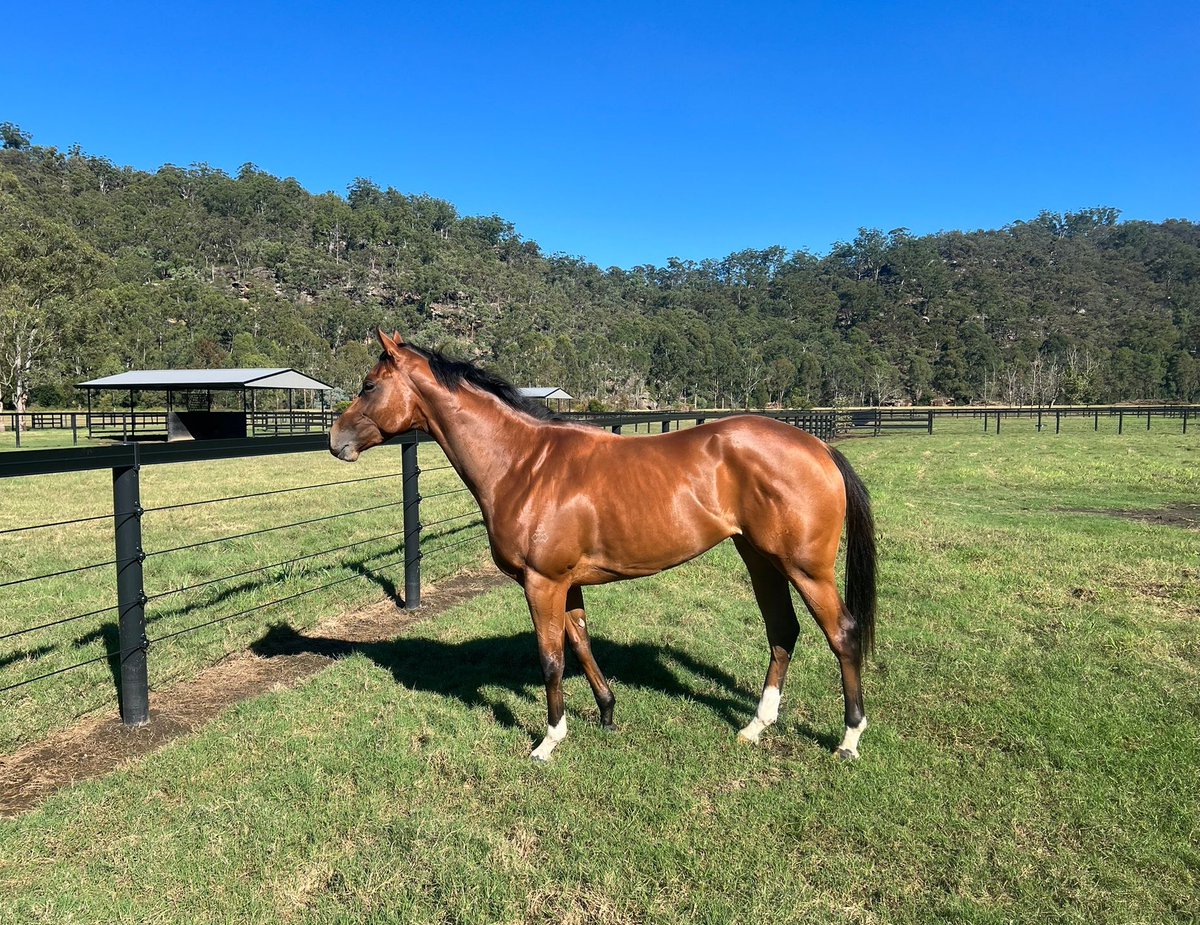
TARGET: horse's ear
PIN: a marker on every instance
(390, 344)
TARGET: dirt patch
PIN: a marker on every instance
(100, 744)
(1184, 515)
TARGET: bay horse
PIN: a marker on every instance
(567, 505)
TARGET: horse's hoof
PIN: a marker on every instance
(745, 739)
(844, 754)
(609, 727)
(538, 759)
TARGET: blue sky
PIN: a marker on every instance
(629, 133)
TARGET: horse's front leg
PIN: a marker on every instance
(547, 601)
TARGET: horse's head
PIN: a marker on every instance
(387, 405)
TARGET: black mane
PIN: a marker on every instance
(453, 373)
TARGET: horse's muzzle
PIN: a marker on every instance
(345, 451)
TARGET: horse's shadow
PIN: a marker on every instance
(473, 670)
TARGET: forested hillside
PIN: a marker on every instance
(105, 268)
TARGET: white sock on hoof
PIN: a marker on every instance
(850, 739)
(768, 712)
(554, 735)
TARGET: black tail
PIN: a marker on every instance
(860, 554)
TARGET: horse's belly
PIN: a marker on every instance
(655, 540)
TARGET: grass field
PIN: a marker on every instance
(1032, 756)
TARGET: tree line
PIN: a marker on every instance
(105, 268)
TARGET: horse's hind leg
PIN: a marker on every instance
(821, 596)
(774, 598)
(578, 635)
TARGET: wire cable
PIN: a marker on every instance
(473, 536)
(273, 491)
(42, 626)
(446, 520)
(263, 568)
(281, 600)
(120, 653)
(298, 523)
(66, 571)
(438, 494)
(60, 523)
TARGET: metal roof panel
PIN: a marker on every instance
(237, 378)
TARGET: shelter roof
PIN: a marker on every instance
(164, 379)
(545, 392)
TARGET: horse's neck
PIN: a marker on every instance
(483, 438)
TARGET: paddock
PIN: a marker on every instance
(1034, 705)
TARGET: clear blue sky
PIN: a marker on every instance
(632, 132)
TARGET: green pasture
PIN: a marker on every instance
(1032, 755)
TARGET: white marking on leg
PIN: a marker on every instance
(768, 706)
(850, 739)
(768, 712)
(554, 735)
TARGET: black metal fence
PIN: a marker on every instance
(819, 423)
(830, 423)
(1041, 418)
(131, 559)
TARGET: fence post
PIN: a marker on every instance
(931, 422)
(74, 429)
(131, 596)
(666, 426)
(1120, 421)
(1057, 421)
(1039, 419)
(1096, 425)
(616, 428)
(410, 473)
(1147, 420)
(1185, 414)
(17, 427)
(997, 422)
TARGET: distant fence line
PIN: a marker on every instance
(131, 425)
(825, 423)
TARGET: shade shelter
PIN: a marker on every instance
(189, 392)
(547, 394)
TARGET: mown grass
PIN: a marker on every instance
(1036, 730)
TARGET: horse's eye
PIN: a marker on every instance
(368, 385)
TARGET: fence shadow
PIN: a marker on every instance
(470, 670)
